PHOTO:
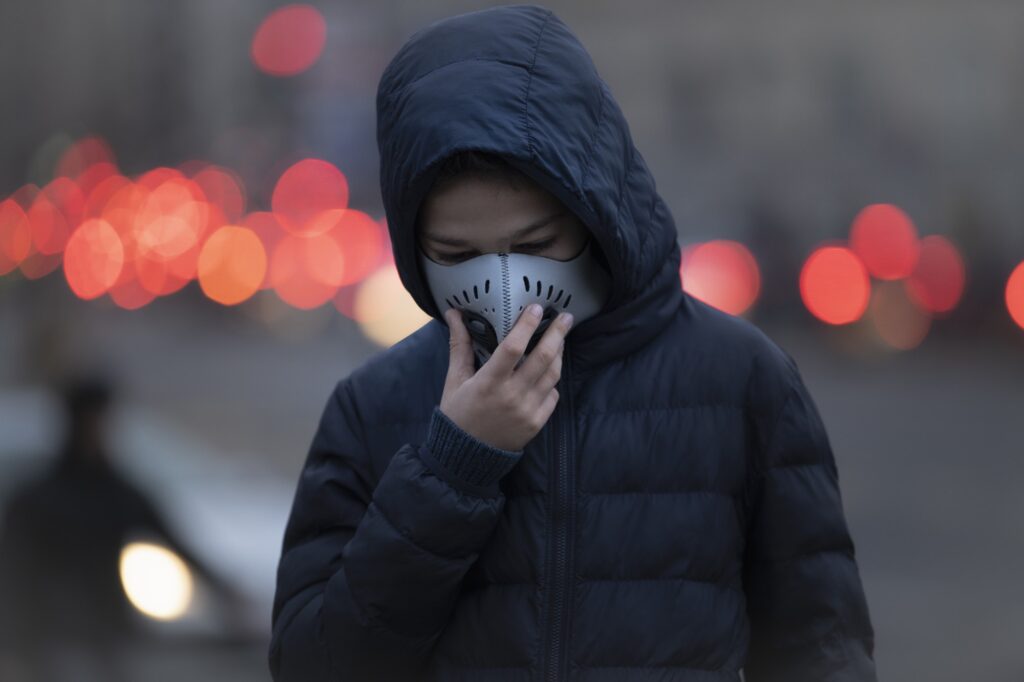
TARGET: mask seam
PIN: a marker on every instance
(506, 294)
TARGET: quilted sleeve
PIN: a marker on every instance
(368, 575)
(808, 612)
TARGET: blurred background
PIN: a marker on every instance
(193, 252)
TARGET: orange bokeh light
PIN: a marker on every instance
(15, 235)
(232, 264)
(937, 282)
(265, 225)
(885, 239)
(304, 191)
(1015, 294)
(834, 285)
(721, 273)
(898, 319)
(93, 258)
(289, 40)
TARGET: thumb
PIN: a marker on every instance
(460, 360)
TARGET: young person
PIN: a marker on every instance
(645, 491)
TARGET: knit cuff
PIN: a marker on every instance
(464, 456)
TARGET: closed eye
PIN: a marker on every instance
(463, 255)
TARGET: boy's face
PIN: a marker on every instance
(473, 215)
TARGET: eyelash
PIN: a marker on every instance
(535, 246)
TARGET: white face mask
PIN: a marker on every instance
(492, 290)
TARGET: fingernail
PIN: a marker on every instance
(568, 319)
(535, 309)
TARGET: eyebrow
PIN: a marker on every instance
(543, 222)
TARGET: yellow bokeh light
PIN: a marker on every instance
(155, 579)
(384, 310)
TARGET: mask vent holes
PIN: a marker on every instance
(560, 292)
(465, 296)
(487, 286)
(476, 294)
(551, 288)
(526, 283)
(567, 298)
(539, 285)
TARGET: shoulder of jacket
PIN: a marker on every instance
(393, 371)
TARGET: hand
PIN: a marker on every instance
(503, 405)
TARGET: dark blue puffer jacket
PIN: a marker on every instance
(677, 518)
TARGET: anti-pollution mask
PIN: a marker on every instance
(492, 290)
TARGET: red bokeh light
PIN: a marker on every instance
(97, 197)
(304, 270)
(82, 154)
(1015, 295)
(224, 189)
(289, 40)
(937, 282)
(93, 258)
(834, 285)
(15, 235)
(721, 273)
(55, 213)
(885, 239)
(305, 190)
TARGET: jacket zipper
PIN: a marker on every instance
(564, 505)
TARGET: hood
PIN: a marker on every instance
(515, 81)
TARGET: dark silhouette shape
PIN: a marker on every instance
(62, 606)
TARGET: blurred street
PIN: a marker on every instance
(190, 201)
(928, 447)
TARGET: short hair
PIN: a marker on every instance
(477, 164)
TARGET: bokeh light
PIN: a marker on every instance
(885, 239)
(15, 235)
(224, 189)
(156, 581)
(82, 154)
(937, 282)
(721, 273)
(304, 191)
(1015, 294)
(834, 285)
(304, 269)
(268, 230)
(232, 265)
(289, 40)
(385, 311)
(93, 258)
(898, 320)
(55, 213)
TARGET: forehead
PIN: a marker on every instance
(484, 208)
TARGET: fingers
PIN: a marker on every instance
(549, 404)
(502, 362)
(543, 366)
(460, 360)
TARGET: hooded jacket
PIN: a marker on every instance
(677, 518)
